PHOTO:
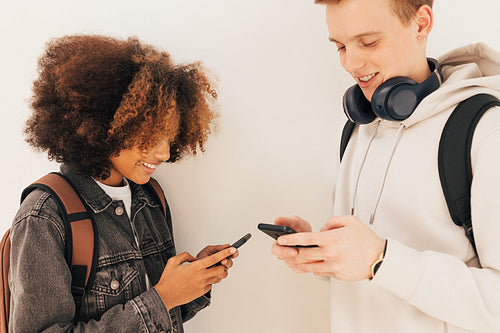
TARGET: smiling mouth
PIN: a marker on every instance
(149, 165)
(366, 78)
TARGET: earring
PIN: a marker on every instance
(419, 37)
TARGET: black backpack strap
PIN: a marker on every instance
(454, 158)
(80, 229)
(155, 189)
(346, 135)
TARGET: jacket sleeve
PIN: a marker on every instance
(190, 309)
(442, 285)
(40, 281)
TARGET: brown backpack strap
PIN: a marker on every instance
(81, 250)
(4, 282)
(82, 231)
(159, 193)
(155, 189)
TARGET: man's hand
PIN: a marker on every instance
(346, 249)
(289, 254)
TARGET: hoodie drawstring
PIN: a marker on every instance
(372, 137)
(395, 142)
(394, 145)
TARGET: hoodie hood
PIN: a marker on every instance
(467, 71)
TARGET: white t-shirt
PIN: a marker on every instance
(118, 193)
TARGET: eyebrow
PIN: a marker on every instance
(358, 36)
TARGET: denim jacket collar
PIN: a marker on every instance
(95, 197)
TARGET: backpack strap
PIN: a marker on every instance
(4, 282)
(454, 158)
(346, 135)
(154, 188)
(80, 229)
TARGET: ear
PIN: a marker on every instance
(424, 19)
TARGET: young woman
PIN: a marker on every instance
(111, 111)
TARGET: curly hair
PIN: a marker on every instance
(96, 96)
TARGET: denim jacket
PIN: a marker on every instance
(118, 300)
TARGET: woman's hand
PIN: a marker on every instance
(186, 278)
(211, 249)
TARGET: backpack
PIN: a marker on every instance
(81, 249)
(454, 160)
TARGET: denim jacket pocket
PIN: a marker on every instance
(114, 284)
(114, 280)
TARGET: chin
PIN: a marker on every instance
(140, 180)
(368, 95)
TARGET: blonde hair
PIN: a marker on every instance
(404, 9)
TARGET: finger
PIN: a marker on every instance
(335, 222)
(301, 238)
(207, 288)
(228, 263)
(282, 220)
(297, 269)
(315, 267)
(211, 249)
(312, 254)
(294, 222)
(182, 258)
(217, 271)
(216, 257)
(283, 252)
(214, 280)
(217, 248)
(300, 259)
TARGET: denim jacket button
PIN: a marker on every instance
(115, 284)
(118, 211)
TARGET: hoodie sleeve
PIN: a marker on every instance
(442, 285)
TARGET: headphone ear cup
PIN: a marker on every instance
(395, 99)
(356, 107)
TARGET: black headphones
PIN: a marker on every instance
(395, 99)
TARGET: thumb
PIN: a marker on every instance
(182, 258)
(216, 257)
(334, 222)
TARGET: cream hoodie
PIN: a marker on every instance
(430, 280)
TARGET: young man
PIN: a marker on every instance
(398, 262)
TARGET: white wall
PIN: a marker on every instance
(280, 87)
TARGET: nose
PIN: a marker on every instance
(162, 151)
(352, 60)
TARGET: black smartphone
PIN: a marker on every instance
(236, 245)
(275, 231)
(241, 241)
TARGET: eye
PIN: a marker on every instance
(340, 47)
(370, 44)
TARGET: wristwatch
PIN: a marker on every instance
(376, 265)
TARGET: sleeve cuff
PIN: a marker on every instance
(152, 311)
(402, 270)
